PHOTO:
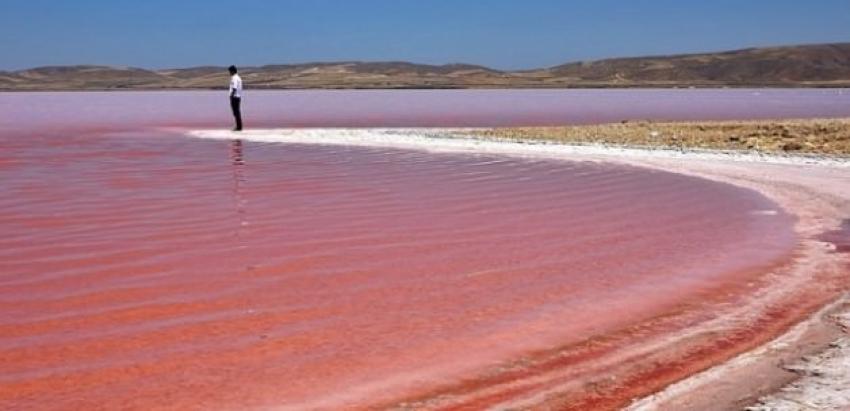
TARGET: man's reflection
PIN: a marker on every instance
(237, 161)
(236, 153)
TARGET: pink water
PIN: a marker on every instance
(146, 269)
(406, 108)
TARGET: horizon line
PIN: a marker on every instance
(391, 61)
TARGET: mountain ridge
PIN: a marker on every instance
(816, 65)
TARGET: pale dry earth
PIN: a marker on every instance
(803, 136)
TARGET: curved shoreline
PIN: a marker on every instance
(816, 191)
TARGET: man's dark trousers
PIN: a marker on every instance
(236, 106)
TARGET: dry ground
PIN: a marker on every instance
(812, 136)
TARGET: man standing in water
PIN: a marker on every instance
(236, 97)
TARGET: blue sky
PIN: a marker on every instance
(506, 34)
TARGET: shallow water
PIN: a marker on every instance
(61, 111)
(148, 269)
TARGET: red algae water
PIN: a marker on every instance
(142, 269)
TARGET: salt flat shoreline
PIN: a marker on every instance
(813, 188)
(780, 137)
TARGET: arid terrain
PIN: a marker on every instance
(824, 65)
(810, 136)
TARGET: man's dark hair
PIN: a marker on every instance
(232, 69)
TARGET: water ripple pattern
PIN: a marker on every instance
(150, 270)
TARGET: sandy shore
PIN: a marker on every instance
(789, 327)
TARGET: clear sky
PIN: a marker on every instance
(506, 34)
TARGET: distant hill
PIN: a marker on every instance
(823, 65)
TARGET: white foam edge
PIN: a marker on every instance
(455, 141)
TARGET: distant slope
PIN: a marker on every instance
(824, 65)
(89, 78)
(819, 64)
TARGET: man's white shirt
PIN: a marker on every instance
(236, 86)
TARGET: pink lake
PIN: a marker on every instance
(142, 269)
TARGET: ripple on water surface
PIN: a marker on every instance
(149, 271)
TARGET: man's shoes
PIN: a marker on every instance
(237, 129)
